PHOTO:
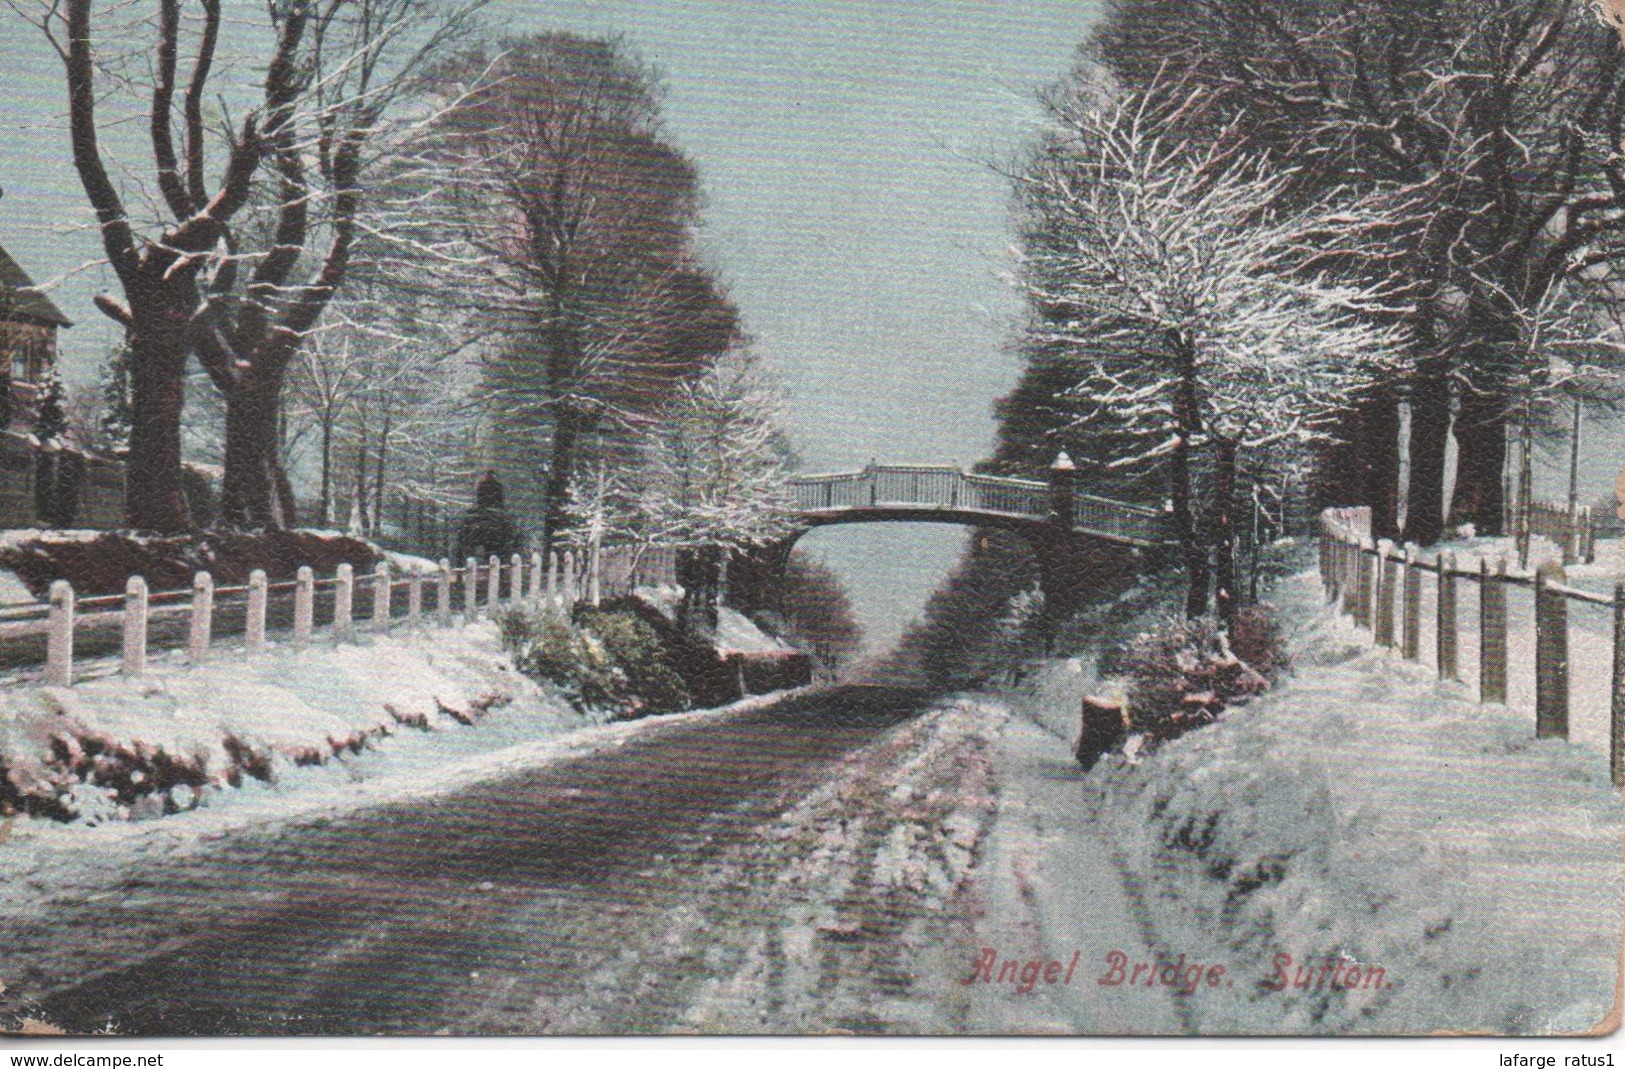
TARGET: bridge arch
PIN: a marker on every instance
(1084, 545)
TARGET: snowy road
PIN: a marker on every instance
(792, 867)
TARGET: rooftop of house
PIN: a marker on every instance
(26, 301)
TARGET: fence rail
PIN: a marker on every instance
(390, 600)
(1370, 581)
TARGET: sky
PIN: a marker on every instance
(843, 148)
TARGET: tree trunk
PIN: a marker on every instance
(1186, 425)
(378, 477)
(1430, 436)
(561, 465)
(1376, 446)
(1224, 527)
(326, 503)
(249, 491)
(287, 505)
(1481, 441)
(153, 497)
(359, 509)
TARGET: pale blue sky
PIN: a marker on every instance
(839, 144)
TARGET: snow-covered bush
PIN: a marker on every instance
(1256, 637)
(1183, 673)
(608, 661)
(637, 651)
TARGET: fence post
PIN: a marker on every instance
(1328, 564)
(381, 591)
(1445, 637)
(1492, 632)
(1362, 599)
(255, 637)
(414, 597)
(1351, 579)
(471, 591)
(1411, 642)
(202, 629)
(134, 659)
(493, 586)
(343, 602)
(1551, 655)
(1387, 570)
(516, 580)
(535, 576)
(59, 636)
(1616, 710)
(304, 605)
(442, 594)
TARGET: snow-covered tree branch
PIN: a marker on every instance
(1201, 313)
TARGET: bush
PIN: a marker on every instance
(637, 651)
(1184, 673)
(612, 662)
(1255, 637)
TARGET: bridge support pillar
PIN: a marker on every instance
(1075, 571)
(756, 577)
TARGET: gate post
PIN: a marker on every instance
(304, 605)
(134, 660)
(1387, 573)
(202, 624)
(59, 636)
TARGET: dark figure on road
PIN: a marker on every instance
(487, 528)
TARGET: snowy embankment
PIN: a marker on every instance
(119, 748)
(1362, 817)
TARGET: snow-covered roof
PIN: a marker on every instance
(27, 302)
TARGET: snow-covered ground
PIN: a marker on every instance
(1362, 816)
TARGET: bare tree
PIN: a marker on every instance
(719, 473)
(363, 58)
(332, 68)
(159, 271)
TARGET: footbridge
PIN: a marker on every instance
(1086, 546)
(935, 493)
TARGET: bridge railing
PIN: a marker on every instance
(997, 493)
(922, 485)
(1133, 522)
(945, 486)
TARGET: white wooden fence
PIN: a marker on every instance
(442, 598)
(1379, 585)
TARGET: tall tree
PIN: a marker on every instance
(1190, 301)
(363, 58)
(328, 68)
(583, 215)
(159, 271)
(1491, 127)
